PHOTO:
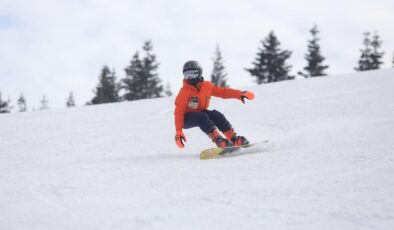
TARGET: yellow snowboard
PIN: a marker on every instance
(234, 150)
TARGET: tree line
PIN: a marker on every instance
(142, 80)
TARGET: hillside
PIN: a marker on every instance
(116, 166)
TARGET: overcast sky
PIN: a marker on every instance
(53, 47)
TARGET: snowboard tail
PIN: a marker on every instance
(235, 150)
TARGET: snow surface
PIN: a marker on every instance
(116, 166)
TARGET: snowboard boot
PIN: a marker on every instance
(218, 139)
(235, 139)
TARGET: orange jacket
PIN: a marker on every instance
(196, 99)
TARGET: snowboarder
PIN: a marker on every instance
(191, 108)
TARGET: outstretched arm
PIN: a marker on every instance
(231, 93)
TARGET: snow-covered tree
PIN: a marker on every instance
(314, 58)
(270, 63)
(22, 104)
(218, 76)
(70, 100)
(142, 80)
(107, 89)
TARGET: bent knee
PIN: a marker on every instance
(217, 114)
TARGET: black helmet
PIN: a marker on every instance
(192, 72)
(192, 69)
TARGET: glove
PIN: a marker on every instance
(179, 138)
(247, 95)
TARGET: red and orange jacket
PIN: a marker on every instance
(196, 99)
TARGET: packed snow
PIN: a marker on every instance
(116, 166)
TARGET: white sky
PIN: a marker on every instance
(53, 47)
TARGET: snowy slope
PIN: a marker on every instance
(116, 166)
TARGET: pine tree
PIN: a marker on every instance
(5, 106)
(364, 63)
(371, 57)
(142, 80)
(44, 103)
(22, 105)
(218, 76)
(270, 63)
(70, 100)
(376, 55)
(314, 58)
(134, 80)
(107, 89)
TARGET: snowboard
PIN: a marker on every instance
(236, 150)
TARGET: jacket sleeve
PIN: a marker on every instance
(180, 109)
(225, 92)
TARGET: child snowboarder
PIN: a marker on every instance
(191, 108)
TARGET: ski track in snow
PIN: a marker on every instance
(116, 166)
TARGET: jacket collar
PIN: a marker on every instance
(187, 85)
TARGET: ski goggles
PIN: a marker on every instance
(190, 74)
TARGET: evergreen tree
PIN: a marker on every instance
(315, 67)
(44, 103)
(270, 63)
(22, 105)
(218, 76)
(364, 63)
(5, 106)
(142, 80)
(376, 55)
(134, 80)
(107, 89)
(70, 100)
(371, 57)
